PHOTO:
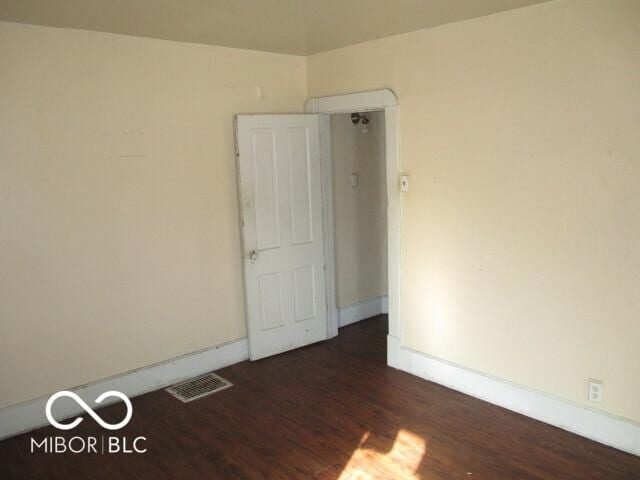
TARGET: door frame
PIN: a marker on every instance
(385, 100)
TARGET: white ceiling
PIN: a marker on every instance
(298, 27)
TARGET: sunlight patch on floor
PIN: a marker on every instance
(376, 458)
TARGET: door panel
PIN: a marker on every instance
(281, 207)
(266, 189)
(300, 185)
(304, 289)
(270, 301)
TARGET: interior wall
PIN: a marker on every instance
(119, 234)
(360, 215)
(520, 232)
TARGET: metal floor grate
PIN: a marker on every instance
(199, 387)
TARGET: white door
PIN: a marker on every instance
(281, 207)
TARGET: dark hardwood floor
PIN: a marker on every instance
(331, 410)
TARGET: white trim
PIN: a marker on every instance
(361, 311)
(27, 416)
(385, 100)
(352, 102)
(596, 425)
(327, 217)
(393, 353)
(394, 219)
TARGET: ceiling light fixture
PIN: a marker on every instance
(362, 119)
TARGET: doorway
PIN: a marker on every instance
(286, 188)
(386, 102)
(360, 214)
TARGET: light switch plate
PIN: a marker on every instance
(404, 182)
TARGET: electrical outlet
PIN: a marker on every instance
(595, 390)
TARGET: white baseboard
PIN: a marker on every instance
(601, 427)
(393, 352)
(23, 417)
(362, 310)
(385, 304)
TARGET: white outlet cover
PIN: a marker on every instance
(595, 390)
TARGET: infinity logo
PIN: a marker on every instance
(89, 410)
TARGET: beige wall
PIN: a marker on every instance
(520, 235)
(119, 236)
(119, 243)
(360, 214)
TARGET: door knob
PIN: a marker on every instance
(253, 255)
